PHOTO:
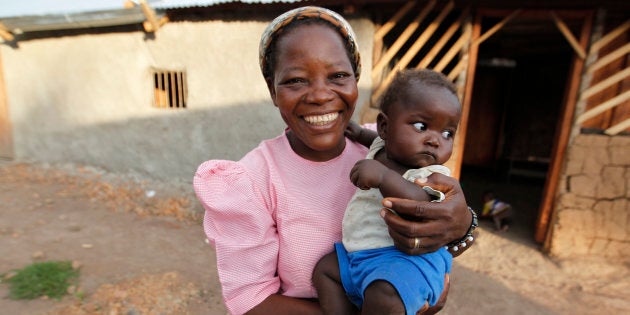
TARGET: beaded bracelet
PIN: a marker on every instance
(454, 246)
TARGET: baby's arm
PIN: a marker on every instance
(359, 134)
(368, 174)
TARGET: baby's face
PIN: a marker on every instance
(421, 126)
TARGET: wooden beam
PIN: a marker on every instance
(5, 34)
(393, 50)
(600, 108)
(457, 70)
(618, 127)
(443, 40)
(597, 45)
(383, 30)
(424, 37)
(564, 29)
(151, 24)
(618, 53)
(621, 75)
(450, 54)
(496, 28)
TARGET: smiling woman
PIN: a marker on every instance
(272, 215)
(315, 90)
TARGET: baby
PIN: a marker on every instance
(419, 116)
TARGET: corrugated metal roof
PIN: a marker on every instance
(172, 4)
(16, 8)
(47, 15)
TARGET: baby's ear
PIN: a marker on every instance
(381, 125)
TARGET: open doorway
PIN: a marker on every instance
(520, 81)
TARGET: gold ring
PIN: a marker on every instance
(416, 243)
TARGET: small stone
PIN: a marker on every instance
(76, 264)
(38, 255)
(87, 245)
(9, 275)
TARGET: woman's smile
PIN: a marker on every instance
(321, 120)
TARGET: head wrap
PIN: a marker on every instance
(275, 29)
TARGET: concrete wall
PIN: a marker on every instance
(87, 99)
(592, 216)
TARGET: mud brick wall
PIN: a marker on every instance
(592, 215)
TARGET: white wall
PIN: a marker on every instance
(87, 99)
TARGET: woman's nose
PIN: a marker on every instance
(319, 93)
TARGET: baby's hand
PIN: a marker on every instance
(367, 174)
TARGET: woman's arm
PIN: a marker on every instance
(436, 224)
(283, 305)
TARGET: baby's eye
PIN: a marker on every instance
(420, 126)
(447, 134)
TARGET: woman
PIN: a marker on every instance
(272, 215)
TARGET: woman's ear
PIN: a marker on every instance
(381, 125)
(272, 89)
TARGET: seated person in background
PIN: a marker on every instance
(499, 211)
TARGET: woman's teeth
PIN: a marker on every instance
(321, 120)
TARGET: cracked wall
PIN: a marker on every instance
(592, 214)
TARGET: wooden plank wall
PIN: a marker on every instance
(608, 94)
(430, 34)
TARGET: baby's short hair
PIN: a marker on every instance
(404, 78)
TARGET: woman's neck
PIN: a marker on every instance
(308, 153)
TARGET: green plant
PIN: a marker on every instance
(51, 279)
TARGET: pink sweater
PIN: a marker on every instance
(271, 216)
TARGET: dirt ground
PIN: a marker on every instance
(141, 250)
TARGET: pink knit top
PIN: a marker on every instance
(271, 216)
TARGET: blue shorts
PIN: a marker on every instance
(417, 279)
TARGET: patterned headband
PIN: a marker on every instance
(276, 27)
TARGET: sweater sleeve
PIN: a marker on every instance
(242, 229)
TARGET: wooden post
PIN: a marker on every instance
(6, 139)
(473, 52)
(546, 213)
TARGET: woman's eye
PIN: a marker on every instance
(339, 76)
(293, 81)
(420, 126)
(447, 134)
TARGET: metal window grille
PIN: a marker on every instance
(170, 89)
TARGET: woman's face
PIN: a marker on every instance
(315, 89)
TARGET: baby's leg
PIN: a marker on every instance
(327, 281)
(380, 297)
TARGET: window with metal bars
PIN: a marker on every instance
(170, 89)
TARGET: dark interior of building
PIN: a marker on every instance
(518, 92)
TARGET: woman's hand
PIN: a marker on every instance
(359, 134)
(432, 224)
